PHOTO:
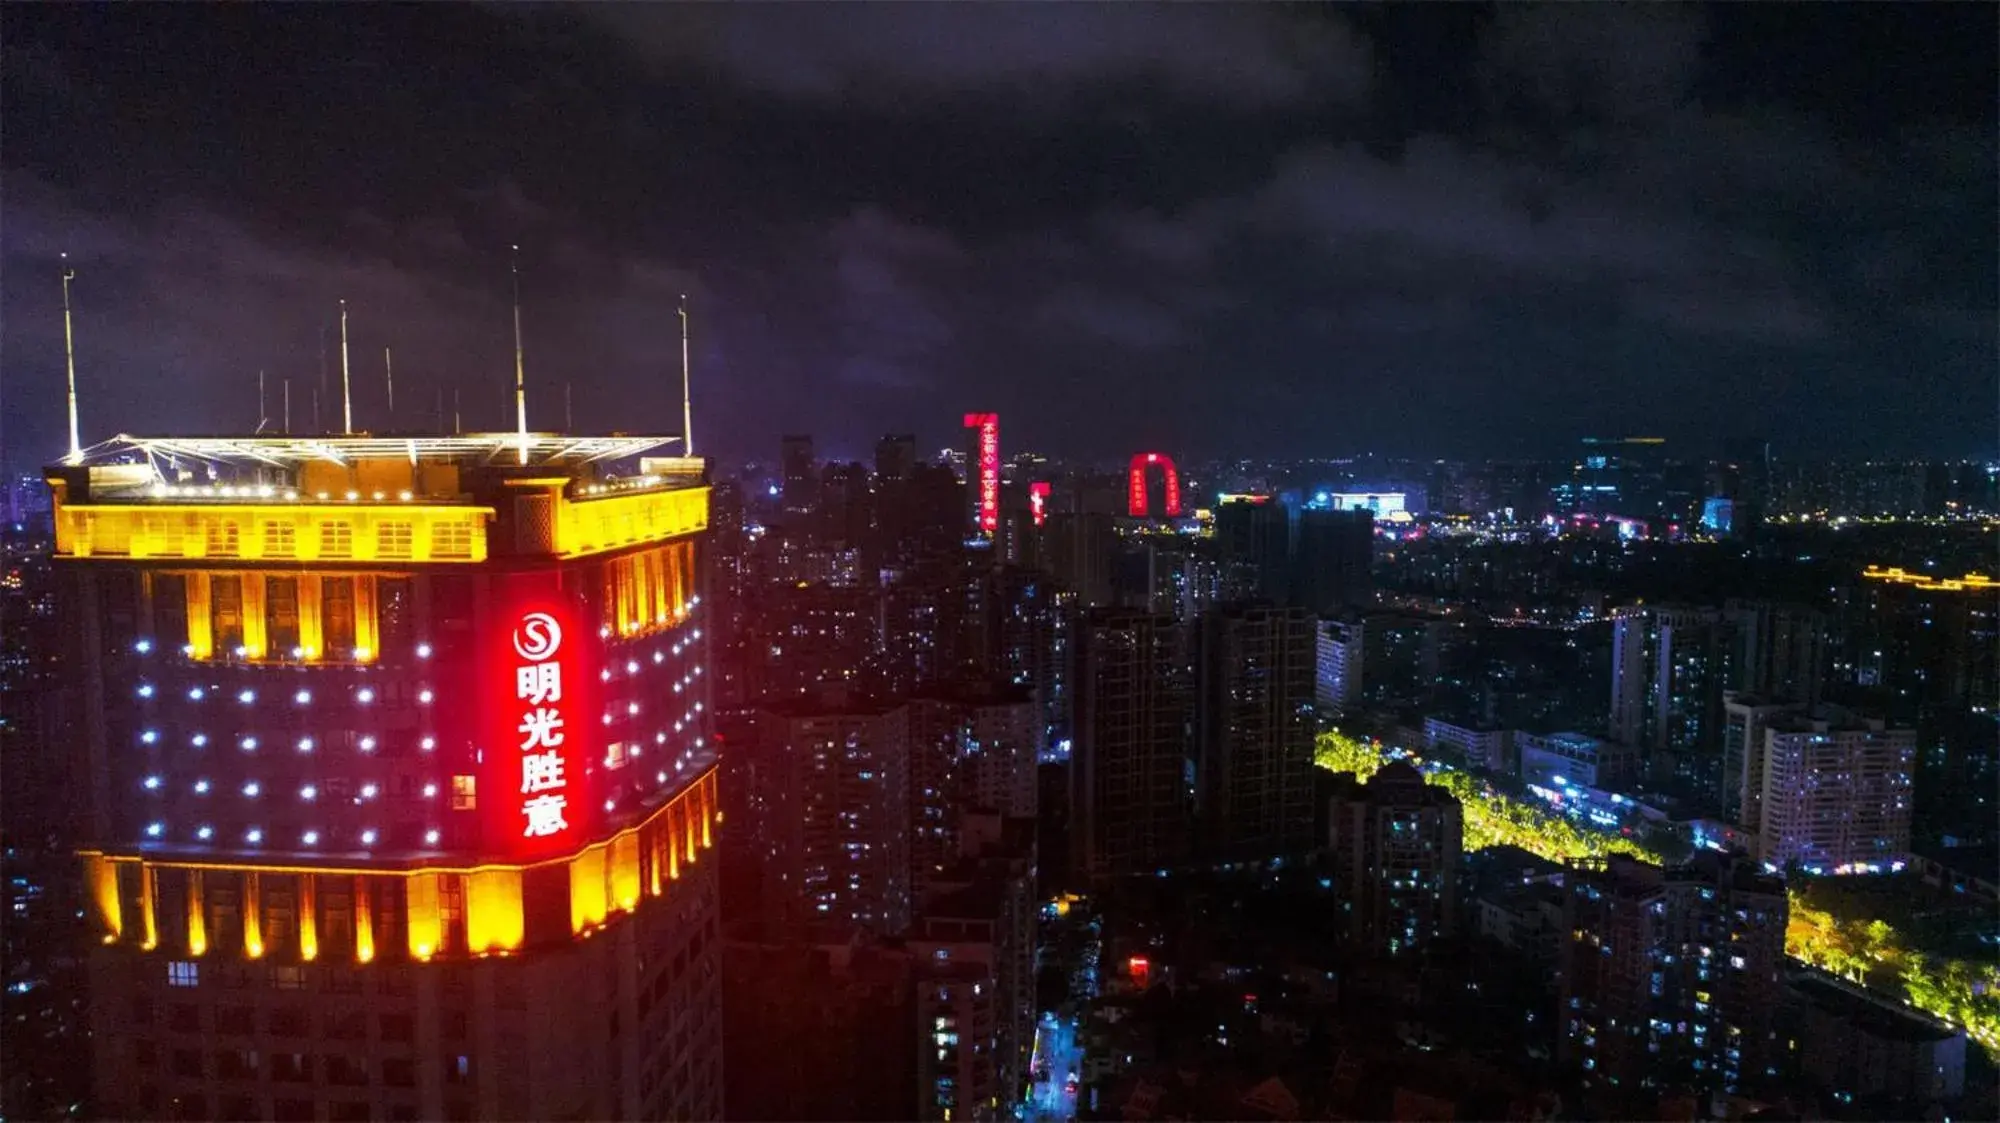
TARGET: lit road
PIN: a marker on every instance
(1057, 1058)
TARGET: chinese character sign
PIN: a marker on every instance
(534, 745)
(988, 478)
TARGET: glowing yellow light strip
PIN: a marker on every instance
(592, 526)
(167, 530)
(147, 920)
(625, 871)
(493, 916)
(587, 907)
(197, 918)
(253, 915)
(200, 617)
(308, 911)
(426, 919)
(103, 879)
(1971, 582)
(364, 922)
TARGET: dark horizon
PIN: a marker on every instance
(1446, 231)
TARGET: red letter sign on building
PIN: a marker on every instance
(536, 746)
(1137, 503)
(1038, 501)
(988, 479)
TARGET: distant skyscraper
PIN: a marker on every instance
(1395, 847)
(1836, 792)
(1338, 664)
(1081, 549)
(1255, 723)
(1131, 770)
(895, 457)
(1782, 650)
(1621, 476)
(801, 475)
(1254, 535)
(1671, 977)
(1331, 559)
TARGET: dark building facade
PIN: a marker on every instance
(1255, 728)
(1131, 767)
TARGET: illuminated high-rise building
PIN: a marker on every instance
(393, 776)
(1835, 792)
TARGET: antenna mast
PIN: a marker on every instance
(262, 417)
(569, 418)
(454, 411)
(69, 353)
(320, 391)
(520, 366)
(389, 375)
(687, 403)
(288, 406)
(347, 388)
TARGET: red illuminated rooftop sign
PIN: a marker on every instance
(539, 729)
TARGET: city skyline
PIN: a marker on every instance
(1284, 231)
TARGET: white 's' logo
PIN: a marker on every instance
(538, 637)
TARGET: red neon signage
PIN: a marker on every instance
(1136, 502)
(536, 751)
(988, 479)
(1038, 501)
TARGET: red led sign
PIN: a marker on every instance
(540, 729)
(1038, 501)
(1137, 504)
(988, 478)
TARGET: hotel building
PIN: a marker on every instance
(392, 776)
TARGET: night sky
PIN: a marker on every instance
(1415, 229)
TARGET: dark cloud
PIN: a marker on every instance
(1211, 228)
(1244, 55)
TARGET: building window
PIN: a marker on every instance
(280, 540)
(169, 610)
(337, 613)
(464, 793)
(225, 599)
(399, 1072)
(451, 540)
(336, 540)
(281, 613)
(393, 540)
(221, 536)
(183, 974)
